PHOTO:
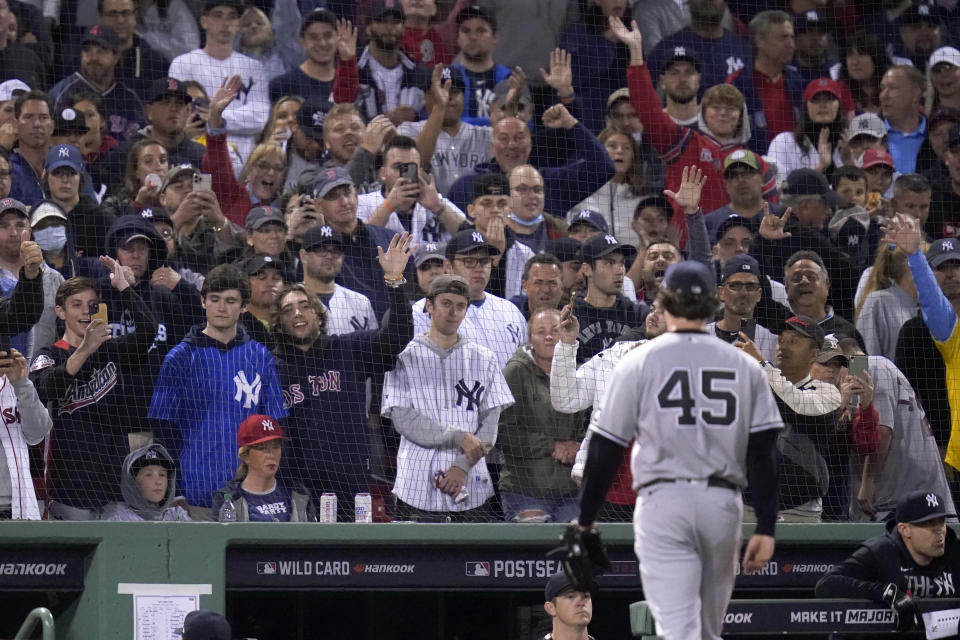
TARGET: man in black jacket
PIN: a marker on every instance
(917, 557)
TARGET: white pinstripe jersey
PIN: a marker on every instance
(349, 311)
(691, 401)
(497, 324)
(453, 387)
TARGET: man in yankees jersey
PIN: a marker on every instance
(444, 397)
(702, 428)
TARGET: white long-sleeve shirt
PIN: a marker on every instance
(25, 422)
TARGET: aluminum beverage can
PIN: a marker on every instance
(363, 507)
(328, 507)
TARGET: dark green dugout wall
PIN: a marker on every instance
(96, 557)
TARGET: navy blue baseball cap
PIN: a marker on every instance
(942, 250)
(565, 249)
(920, 506)
(810, 182)
(206, 625)
(740, 263)
(469, 240)
(310, 118)
(259, 262)
(592, 218)
(490, 184)
(604, 244)
(559, 583)
(807, 327)
(103, 36)
(322, 235)
(63, 155)
(690, 278)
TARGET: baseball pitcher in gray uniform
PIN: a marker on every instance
(704, 423)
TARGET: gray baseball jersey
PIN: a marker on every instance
(496, 323)
(913, 459)
(453, 387)
(691, 401)
(455, 156)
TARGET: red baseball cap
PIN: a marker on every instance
(873, 157)
(822, 85)
(258, 428)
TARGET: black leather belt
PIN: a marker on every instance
(712, 481)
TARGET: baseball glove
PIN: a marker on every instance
(582, 556)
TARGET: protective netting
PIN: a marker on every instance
(182, 165)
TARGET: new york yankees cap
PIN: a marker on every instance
(920, 506)
(328, 179)
(175, 172)
(867, 124)
(156, 214)
(449, 283)
(322, 235)
(942, 250)
(690, 278)
(810, 21)
(258, 428)
(151, 455)
(590, 217)
(63, 155)
(469, 240)
(919, 12)
(807, 327)
(310, 118)
(740, 263)
(259, 216)
(428, 251)
(604, 244)
(681, 54)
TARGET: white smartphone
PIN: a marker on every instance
(202, 182)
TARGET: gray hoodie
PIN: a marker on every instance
(136, 507)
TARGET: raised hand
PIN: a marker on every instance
(773, 227)
(560, 76)
(346, 40)
(824, 149)
(394, 260)
(429, 196)
(630, 37)
(516, 83)
(376, 133)
(119, 278)
(228, 91)
(32, 255)
(96, 334)
(557, 117)
(691, 185)
(904, 232)
(14, 365)
(569, 325)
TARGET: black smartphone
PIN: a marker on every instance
(410, 172)
(5, 344)
(749, 327)
(200, 103)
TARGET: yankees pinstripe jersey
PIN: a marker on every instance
(691, 401)
(495, 323)
(348, 311)
(455, 387)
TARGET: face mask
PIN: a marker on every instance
(51, 239)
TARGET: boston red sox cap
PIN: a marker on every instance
(807, 327)
(688, 278)
(920, 506)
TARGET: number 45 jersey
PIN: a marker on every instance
(691, 401)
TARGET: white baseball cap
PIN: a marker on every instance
(867, 124)
(7, 88)
(944, 54)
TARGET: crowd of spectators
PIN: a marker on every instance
(259, 251)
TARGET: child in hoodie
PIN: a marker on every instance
(148, 484)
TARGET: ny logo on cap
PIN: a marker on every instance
(147, 213)
(430, 246)
(812, 15)
(68, 114)
(326, 232)
(947, 245)
(610, 240)
(864, 124)
(932, 500)
(924, 10)
(679, 51)
(477, 236)
(584, 214)
(64, 152)
(151, 454)
(268, 258)
(745, 267)
(318, 117)
(267, 425)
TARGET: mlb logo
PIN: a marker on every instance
(478, 569)
(266, 568)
